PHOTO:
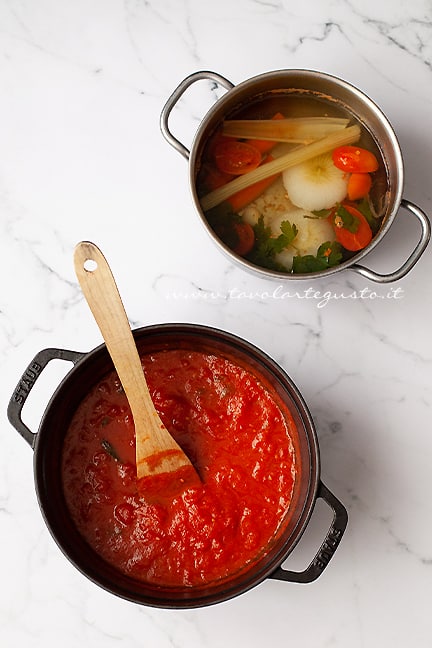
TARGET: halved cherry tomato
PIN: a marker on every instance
(354, 159)
(246, 238)
(352, 241)
(236, 157)
(359, 185)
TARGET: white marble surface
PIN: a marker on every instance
(82, 85)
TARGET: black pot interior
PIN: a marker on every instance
(48, 449)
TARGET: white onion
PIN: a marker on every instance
(315, 184)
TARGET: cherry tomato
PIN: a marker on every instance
(246, 238)
(359, 185)
(352, 241)
(236, 157)
(354, 159)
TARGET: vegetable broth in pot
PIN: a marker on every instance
(268, 211)
(311, 93)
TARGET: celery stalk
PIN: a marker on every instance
(295, 130)
(301, 154)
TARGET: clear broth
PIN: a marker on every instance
(297, 103)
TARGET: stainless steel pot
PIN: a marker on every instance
(88, 369)
(324, 85)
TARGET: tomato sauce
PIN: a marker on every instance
(237, 437)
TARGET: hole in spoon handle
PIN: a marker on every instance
(100, 290)
(90, 265)
(88, 258)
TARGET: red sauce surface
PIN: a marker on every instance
(236, 436)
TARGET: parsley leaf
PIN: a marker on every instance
(267, 246)
(350, 222)
(329, 254)
(364, 207)
(289, 232)
(322, 213)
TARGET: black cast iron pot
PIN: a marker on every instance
(88, 369)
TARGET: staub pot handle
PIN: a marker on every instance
(26, 384)
(327, 548)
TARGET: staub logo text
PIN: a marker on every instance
(27, 382)
(327, 549)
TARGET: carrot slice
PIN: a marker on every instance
(241, 199)
(359, 185)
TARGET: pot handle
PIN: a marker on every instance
(328, 547)
(414, 256)
(27, 382)
(174, 98)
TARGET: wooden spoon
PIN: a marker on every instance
(156, 451)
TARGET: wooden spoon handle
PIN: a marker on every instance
(156, 450)
(102, 295)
